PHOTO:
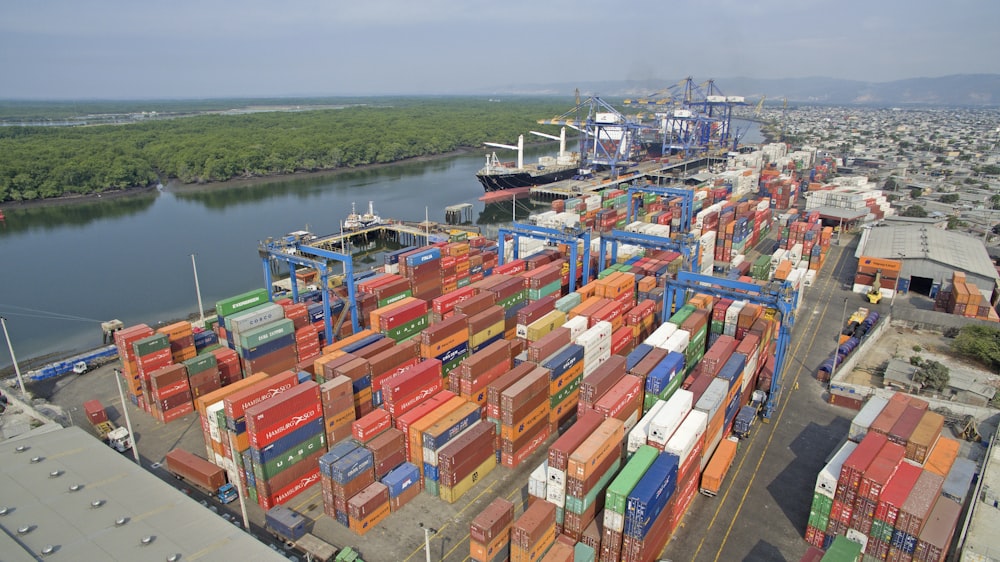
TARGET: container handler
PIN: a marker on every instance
(204, 475)
(117, 438)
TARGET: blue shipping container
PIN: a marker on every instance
(486, 343)
(283, 444)
(401, 478)
(637, 354)
(434, 443)
(563, 360)
(392, 258)
(267, 347)
(338, 451)
(362, 343)
(425, 256)
(733, 368)
(351, 465)
(361, 384)
(651, 495)
(659, 378)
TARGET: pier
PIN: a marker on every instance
(401, 232)
(657, 172)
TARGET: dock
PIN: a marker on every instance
(661, 171)
(402, 232)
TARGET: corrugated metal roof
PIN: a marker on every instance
(913, 243)
(39, 498)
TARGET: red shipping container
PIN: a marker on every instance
(95, 411)
(236, 404)
(262, 437)
(623, 400)
(405, 404)
(410, 380)
(369, 426)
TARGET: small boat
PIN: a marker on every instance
(355, 221)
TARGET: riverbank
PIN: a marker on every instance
(177, 186)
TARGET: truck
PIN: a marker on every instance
(292, 529)
(117, 438)
(204, 475)
(717, 468)
(748, 414)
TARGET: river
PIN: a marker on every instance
(70, 266)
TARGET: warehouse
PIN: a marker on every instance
(930, 256)
(67, 496)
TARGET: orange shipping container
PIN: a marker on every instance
(894, 266)
(715, 472)
(942, 456)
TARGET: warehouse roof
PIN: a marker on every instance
(913, 243)
(70, 497)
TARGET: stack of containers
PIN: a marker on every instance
(287, 438)
(228, 363)
(664, 379)
(269, 348)
(130, 370)
(336, 397)
(212, 415)
(521, 402)
(545, 280)
(416, 427)
(589, 470)
(566, 368)
(558, 460)
(400, 320)
(404, 421)
(687, 444)
(533, 532)
(645, 529)
(150, 354)
(489, 532)
(368, 507)
(170, 393)
(411, 385)
(466, 460)
(616, 500)
(599, 383)
(445, 430)
(532, 311)
(404, 485)
(823, 495)
(306, 343)
(203, 374)
(669, 418)
(181, 336)
(423, 269)
(623, 401)
(479, 370)
(346, 470)
(713, 404)
(447, 341)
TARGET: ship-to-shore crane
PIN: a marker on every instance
(609, 140)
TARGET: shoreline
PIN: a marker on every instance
(174, 184)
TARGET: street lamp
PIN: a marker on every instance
(428, 531)
(197, 290)
(128, 421)
(836, 346)
(17, 369)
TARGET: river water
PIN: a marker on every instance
(68, 267)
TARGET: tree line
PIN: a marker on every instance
(47, 162)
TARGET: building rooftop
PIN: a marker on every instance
(914, 243)
(69, 496)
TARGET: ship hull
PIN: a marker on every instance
(503, 181)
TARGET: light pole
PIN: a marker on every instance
(836, 346)
(427, 539)
(17, 369)
(128, 421)
(197, 290)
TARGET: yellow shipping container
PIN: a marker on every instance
(451, 494)
(539, 328)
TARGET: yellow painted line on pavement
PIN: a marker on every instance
(445, 526)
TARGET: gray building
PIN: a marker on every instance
(64, 495)
(930, 256)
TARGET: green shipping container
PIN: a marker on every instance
(274, 466)
(514, 299)
(718, 327)
(818, 520)
(569, 302)
(842, 550)
(565, 391)
(671, 388)
(821, 504)
(239, 303)
(682, 314)
(200, 363)
(431, 487)
(553, 287)
(453, 364)
(395, 298)
(252, 493)
(648, 401)
(560, 515)
(881, 531)
(463, 282)
(152, 344)
(606, 272)
(267, 332)
(408, 330)
(583, 553)
(579, 505)
(617, 494)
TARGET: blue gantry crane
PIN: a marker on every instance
(293, 251)
(570, 237)
(779, 296)
(610, 139)
(687, 202)
(687, 247)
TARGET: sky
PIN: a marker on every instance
(117, 49)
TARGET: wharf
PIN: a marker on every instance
(653, 170)
(403, 232)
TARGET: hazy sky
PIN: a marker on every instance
(217, 48)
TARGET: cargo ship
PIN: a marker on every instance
(498, 175)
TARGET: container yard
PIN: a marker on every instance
(562, 393)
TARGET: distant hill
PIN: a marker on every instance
(955, 90)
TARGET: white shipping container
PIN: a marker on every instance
(555, 494)
(614, 521)
(732, 315)
(864, 418)
(711, 442)
(826, 480)
(795, 253)
(678, 341)
(576, 325)
(750, 369)
(809, 278)
(713, 398)
(687, 435)
(640, 433)
(631, 420)
(211, 413)
(666, 422)
(660, 335)
(537, 481)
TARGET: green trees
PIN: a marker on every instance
(43, 162)
(914, 211)
(931, 374)
(949, 198)
(981, 343)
